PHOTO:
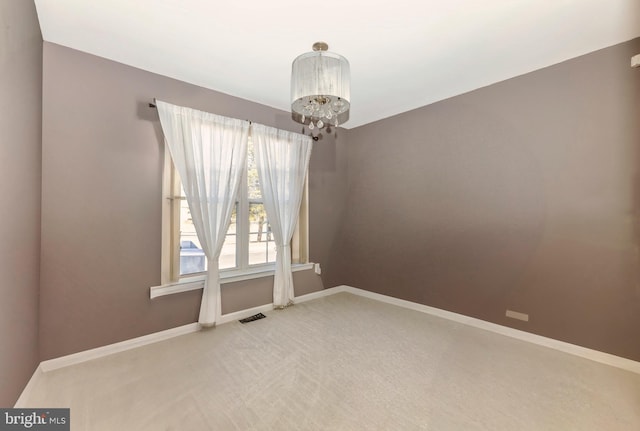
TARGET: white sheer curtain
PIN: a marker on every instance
(282, 159)
(209, 152)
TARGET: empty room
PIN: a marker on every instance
(334, 216)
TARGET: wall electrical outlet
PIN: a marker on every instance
(317, 269)
(635, 61)
(519, 316)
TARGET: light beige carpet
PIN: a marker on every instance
(343, 363)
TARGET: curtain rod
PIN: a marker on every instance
(153, 105)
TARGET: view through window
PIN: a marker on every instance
(249, 240)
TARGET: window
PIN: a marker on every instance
(249, 245)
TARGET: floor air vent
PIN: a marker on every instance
(252, 318)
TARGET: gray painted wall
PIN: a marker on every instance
(101, 202)
(20, 152)
(524, 195)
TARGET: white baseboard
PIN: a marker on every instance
(583, 352)
(87, 355)
(98, 352)
(26, 392)
(237, 315)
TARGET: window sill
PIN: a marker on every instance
(197, 282)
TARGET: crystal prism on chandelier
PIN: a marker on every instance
(320, 90)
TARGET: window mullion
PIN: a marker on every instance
(242, 223)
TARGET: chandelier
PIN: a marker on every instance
(320, 88)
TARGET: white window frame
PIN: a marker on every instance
(172, 282)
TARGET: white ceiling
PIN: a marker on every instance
(404, 54)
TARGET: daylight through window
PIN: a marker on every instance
(249, 243)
